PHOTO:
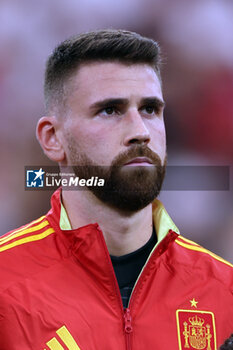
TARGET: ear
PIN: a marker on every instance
(48, 135)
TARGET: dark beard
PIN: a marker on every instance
(128, 188)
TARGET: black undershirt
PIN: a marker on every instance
(128, 267)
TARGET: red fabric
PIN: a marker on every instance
(67, 279)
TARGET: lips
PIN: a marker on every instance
(140, 161)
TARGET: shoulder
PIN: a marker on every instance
(34, 231)
(200, 258)
(23, 250)
(194, 247)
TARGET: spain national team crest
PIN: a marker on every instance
(196, 330)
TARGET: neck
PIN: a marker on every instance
(123, 232)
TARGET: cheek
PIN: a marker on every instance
(158, 139)
(161, 133)
(86, 135)
(95, 141)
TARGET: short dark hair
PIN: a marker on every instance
(101, 45)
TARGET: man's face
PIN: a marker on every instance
(114, 129)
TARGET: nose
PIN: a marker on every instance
(137, 132)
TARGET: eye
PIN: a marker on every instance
(149, 109)
(108, 111)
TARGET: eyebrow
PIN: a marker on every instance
(109, 102)
(124, 102)
(155, 101)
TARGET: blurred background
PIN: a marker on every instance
(196, 38)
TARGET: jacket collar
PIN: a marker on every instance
(162, 221)
(87, 246)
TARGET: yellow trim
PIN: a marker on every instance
(28, 239)
(54, 344)
(178, 330)
(188, 240)
(202, 250)
(24, 232)
(162, 221)
(22, 228)
(195, 311)
(67, 338)
(64, 220)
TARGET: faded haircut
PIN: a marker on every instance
(108, 45)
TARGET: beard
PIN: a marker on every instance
(126, 188)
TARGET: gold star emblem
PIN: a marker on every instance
(193, 303)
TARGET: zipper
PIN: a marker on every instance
(144, 266)
(127, 318)
(135, 284)
(128, 327)
(127, 313)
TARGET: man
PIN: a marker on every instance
(106, 268)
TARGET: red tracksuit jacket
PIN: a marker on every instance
(58, 291)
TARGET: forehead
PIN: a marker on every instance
(112, 79)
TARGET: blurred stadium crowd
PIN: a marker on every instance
(196, 38)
